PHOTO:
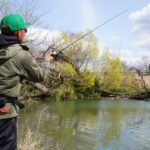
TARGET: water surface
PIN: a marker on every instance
(89, 125)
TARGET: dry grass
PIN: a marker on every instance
(31, 141)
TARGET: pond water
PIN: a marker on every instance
(88, 125)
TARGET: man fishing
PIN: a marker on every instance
(16, 64)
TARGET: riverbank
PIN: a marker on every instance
(66, 92)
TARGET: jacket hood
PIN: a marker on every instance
(6, 41)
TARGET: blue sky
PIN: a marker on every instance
(127, 35)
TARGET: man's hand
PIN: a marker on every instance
(49, 58)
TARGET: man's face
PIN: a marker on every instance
(21, 34)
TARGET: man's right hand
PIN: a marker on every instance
(49, 58)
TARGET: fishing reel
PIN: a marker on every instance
(54, 54)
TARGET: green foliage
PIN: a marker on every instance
(111, 71)
(123, 89)
(69, 91)
(81, 82)
(64, 92)
(82, 52)
(56, 95)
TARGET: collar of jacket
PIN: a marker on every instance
(6, 40)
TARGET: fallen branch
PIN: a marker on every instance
(105, 93)
(40, 87)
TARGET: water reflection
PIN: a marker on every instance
(89, 125)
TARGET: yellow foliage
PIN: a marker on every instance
(87, 79)
(66, 69)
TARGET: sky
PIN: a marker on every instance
(128, 36)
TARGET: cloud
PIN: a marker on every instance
(40, 34)
(141, 26)
(125, 55)
(145, 43)
(141, 20)
(128, 56)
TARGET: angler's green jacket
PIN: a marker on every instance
(16, 64)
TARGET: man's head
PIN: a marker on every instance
(13, 24)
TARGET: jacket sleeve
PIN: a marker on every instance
(28, 68)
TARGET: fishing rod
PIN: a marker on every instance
(54, 53)
(54, 42)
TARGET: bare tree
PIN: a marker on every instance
(27, 8)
